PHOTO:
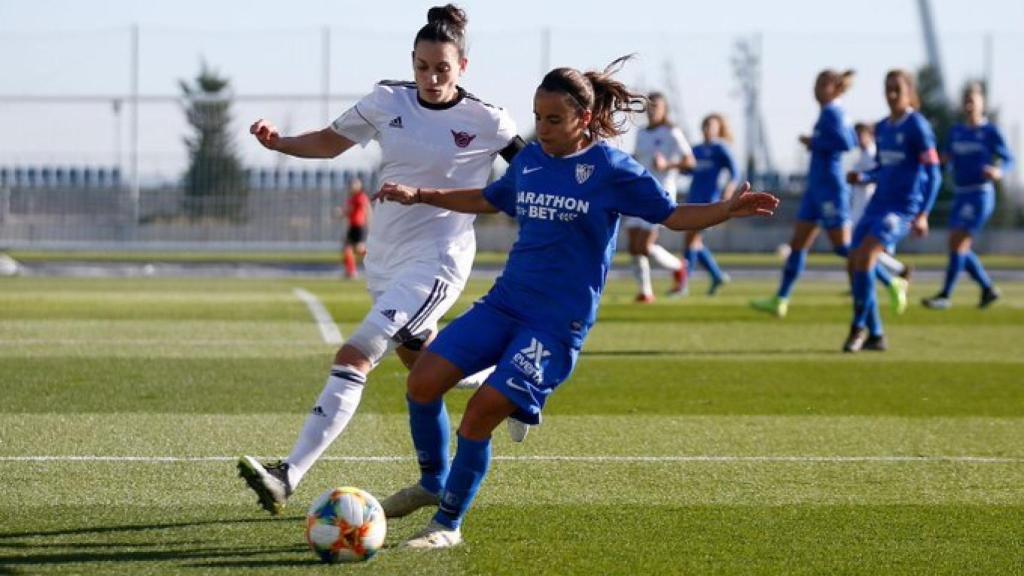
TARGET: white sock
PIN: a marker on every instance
(480, 377)
(334, 408)
(642, 273)
(891, 263)
(664, 258)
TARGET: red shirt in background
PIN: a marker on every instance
(356, 208)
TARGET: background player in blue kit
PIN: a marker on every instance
(908, 180)
(712, 156)
(567, 194)
(973, 149)
(826, 204)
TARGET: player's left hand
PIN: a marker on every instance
(660, 163)
(805, 140)
(398, 193)
(992, 173)
(920, 226)
(748, 203)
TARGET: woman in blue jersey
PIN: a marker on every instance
(567, 193)
(826, 203)
(713, 156)
(974, 148)
(907, 180)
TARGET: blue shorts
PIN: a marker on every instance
(828, 208)
(530, 363)
(889, 228)
(971, 210)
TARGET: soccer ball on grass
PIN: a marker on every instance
(345, 525)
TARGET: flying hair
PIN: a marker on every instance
(840, 81)
(606, 98)
(445, 24)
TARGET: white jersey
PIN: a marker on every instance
(668, 141)
(428, 146)
(860, 194)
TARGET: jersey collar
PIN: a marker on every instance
(460, 94)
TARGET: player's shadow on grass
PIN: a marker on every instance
(135, 528)
(190, 552)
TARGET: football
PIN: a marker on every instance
(345, 525)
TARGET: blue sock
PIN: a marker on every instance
(883, 275)
(842, 251)
(708, 261)
(953, 270)
(429, 426)
(472, 458)
(691, 260)
(791, 271)
(864, 299)
(973, 266)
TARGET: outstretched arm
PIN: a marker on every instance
(744, 203)
(324, 143)
(467, 201)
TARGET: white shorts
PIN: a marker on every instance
(632, 222)
(410, 299)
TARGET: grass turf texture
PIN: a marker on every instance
(829, 463)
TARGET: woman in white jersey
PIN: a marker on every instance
(432, 133)
(662, 149)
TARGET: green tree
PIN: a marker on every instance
(941, 113)
(215, 183)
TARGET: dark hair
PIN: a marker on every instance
(599, 93)
(445, 24)
(915, 100)
(724, 133)
(861, 127)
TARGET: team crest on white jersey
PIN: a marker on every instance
(583, 172)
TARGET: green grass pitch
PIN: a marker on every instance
(696, 437)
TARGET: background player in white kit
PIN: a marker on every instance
(662, 149)
(432, 133)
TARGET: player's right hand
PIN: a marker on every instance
(398, 193)
(266, 133)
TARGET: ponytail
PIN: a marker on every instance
(600, 93)
(840, 81)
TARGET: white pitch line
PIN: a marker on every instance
(584, 459)
(328, 329)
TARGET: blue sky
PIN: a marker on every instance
(273, 47)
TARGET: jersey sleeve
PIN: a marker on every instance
(502, 192)
(728, 162)
(361, 123)
(833, 134)
(683, 148)
(1000, 149)
(637, 193)
(922, 141)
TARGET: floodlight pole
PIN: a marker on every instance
(134, 182)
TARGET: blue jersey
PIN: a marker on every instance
(712, 158)
(971, 149)
(832, 136)
(568, 213)
(906, 157)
